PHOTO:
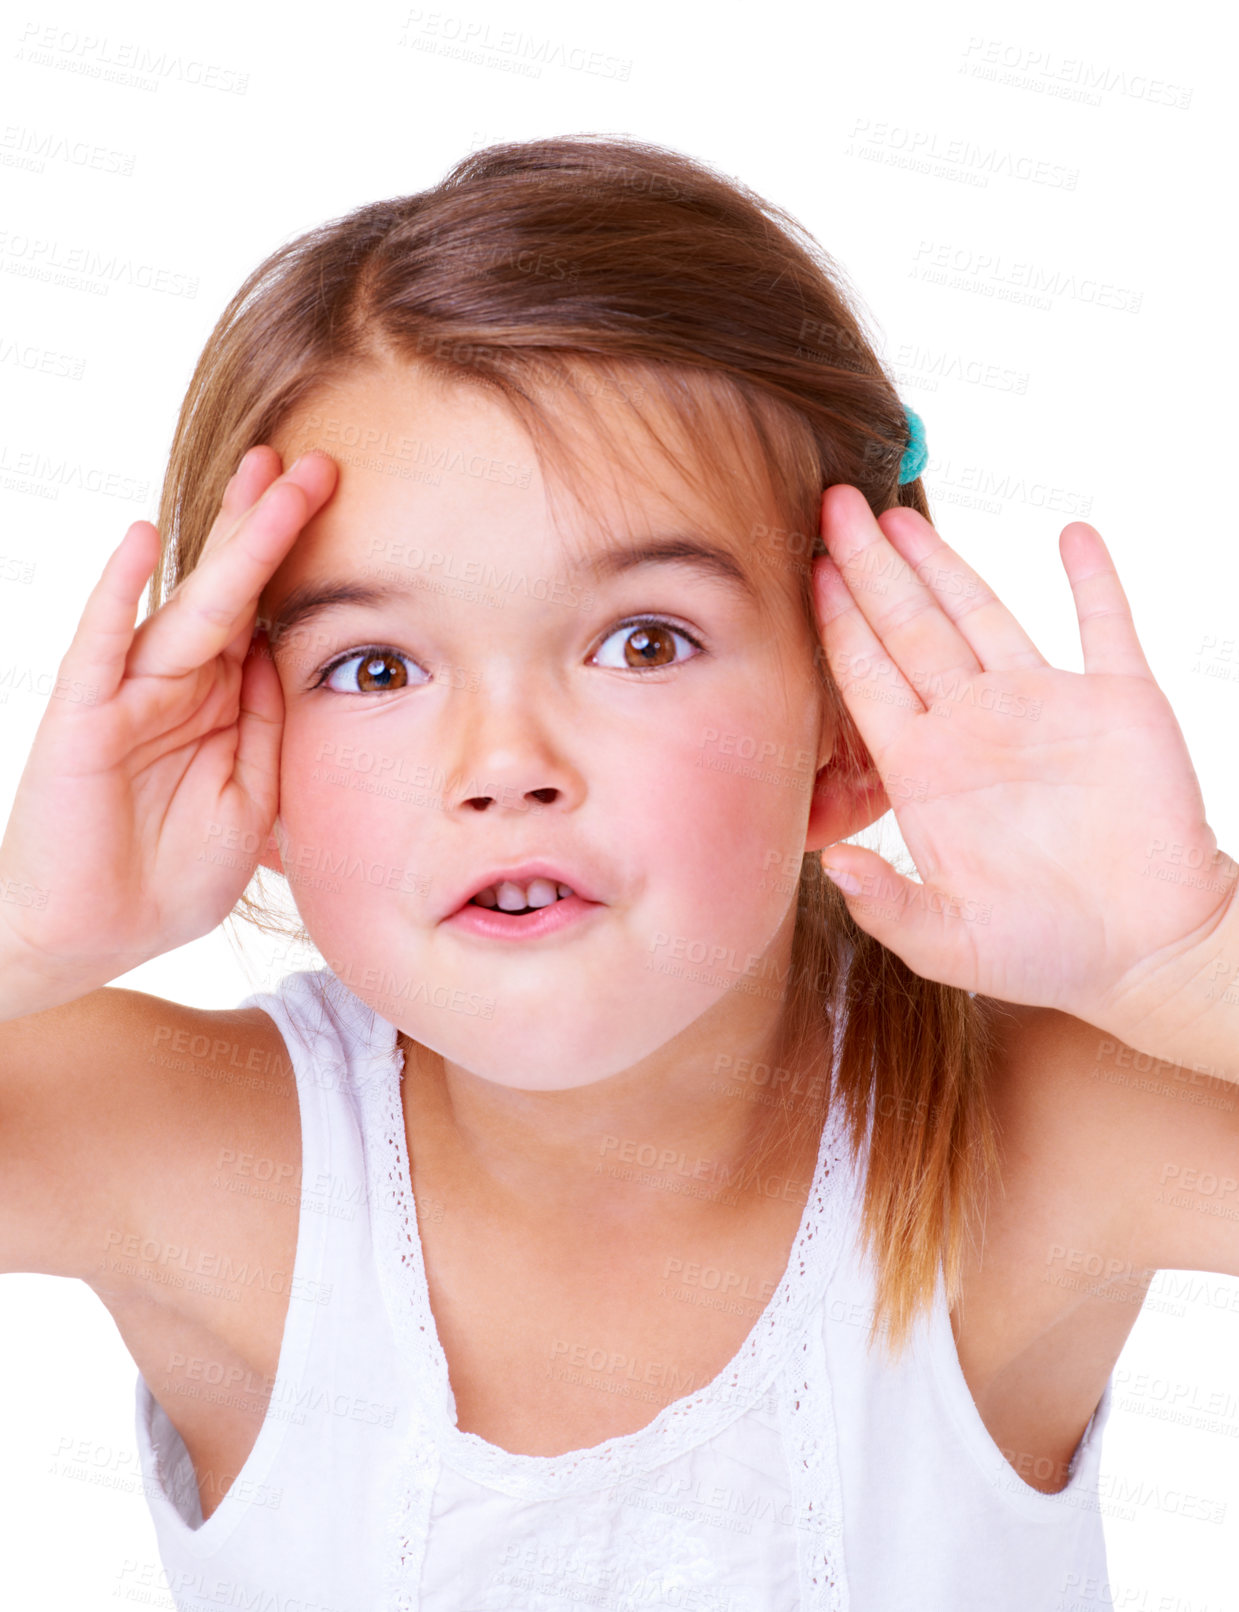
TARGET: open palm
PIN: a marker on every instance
(1054, 817)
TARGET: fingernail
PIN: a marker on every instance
(845, 881)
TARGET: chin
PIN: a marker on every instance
(537, 1077)
(543, 1057)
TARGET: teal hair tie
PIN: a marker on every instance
(916, 454)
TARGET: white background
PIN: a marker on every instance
(1131, 409)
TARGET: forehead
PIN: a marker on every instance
(421, 453)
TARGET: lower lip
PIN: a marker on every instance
(492, 924)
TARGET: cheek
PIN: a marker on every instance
(712, 811)
(345, 810)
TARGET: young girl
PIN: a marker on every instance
(624, 1215)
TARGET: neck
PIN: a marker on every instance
(726, 1112)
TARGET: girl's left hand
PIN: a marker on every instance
(1054, 817)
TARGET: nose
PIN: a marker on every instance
(505, 758)
(481, 802)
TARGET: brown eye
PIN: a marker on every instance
(371, 675)
(369, 671)
(648, 646)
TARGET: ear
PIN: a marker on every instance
(842, 805)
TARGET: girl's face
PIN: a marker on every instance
(505, 693)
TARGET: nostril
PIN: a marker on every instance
(543, 796)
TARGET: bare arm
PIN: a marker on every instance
(106, 1104)
(1114, 1166)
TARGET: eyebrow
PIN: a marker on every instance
(311, 599)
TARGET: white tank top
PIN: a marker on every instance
(808, 1476)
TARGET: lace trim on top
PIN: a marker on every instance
(354, 1050)
(817, 1492)
(679, 1426)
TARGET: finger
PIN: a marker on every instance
(995, 637)
(908, 918)
(936, 633)
(259, 730)
(879, 697)
(1107, 631)
(907, 619)
(215, 601)
(96, 654)
(259, 467)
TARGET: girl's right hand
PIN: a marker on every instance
(142, 812)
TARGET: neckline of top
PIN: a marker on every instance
(686, 1422)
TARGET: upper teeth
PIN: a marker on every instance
(509, 897)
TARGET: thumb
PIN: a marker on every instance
(883, 903)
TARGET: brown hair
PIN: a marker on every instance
(541, 269)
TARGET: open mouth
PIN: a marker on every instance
(516, 900)
(535, 908)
